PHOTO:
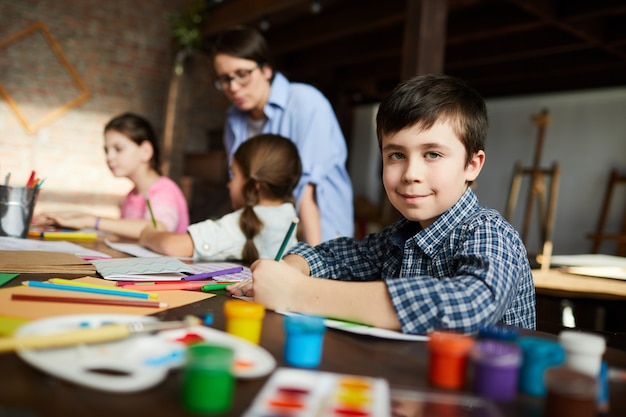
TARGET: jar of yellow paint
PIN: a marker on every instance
(244, 319)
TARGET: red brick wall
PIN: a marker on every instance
(122, 52)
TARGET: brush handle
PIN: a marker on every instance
(73, 337)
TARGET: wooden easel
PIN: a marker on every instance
(615, 179)
(546, 202)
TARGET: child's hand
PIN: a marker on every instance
(277, 285)
(243, 288)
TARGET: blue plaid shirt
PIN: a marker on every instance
(466, 270)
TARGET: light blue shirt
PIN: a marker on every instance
(301, 113)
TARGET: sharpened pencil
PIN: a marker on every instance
(154, 223)
(105, 301)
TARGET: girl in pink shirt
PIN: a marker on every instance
(132, 151)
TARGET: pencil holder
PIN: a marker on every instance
(244, 319)
(17, 205)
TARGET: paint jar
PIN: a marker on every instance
(498, 332)
(496, 366)
(570, 393)
(244, 319)
(207, 379)
(538, 355)
(304, 340)
(583, 351)
(16, 210)
(448, 353)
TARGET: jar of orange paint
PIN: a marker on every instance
(448, 357)
(244, 319)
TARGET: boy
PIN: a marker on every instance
(449, 264)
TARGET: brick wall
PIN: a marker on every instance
(121, 51)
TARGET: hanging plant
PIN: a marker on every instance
(186, 32)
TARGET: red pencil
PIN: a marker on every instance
(31, 179)
(104, 301)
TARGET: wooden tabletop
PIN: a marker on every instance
(556, 282)
(29, 392)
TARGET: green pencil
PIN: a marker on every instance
(150, 210)
(213, 287)
(294, 223)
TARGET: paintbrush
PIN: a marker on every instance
(104, 333)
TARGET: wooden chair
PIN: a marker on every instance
(615, 180)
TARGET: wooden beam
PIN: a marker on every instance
(424, 37)
(235, 12)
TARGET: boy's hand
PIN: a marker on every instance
(277, 285)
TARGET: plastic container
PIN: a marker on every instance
(16, 210)
(448, 354)
(208, 380)
(570, 393)
(538, 355)
(304, 340)
(496, 368)
(583, 351)
(244, 319)
(498, 332)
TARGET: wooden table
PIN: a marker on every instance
(28, 392)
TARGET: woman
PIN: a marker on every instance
(264, 101)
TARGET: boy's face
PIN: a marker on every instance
(424, 171)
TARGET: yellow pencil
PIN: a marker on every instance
(63, 281)
(65, 235)
(150, 210)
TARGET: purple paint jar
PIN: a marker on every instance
(496, 366)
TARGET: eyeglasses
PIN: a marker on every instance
(241, 77)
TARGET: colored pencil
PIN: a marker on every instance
(150, 211)
(294, 223)
(213, 287)
(64, 235)
(212, 274)
(64, 281)
(30, 179)
(80, 288)
(102, 301)
(168, 285)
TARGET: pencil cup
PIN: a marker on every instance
(16, 209)
(583, 351)
(208, 380)
(448, 353)
(496, 366)
(244, 319)
(538, 356)
(304, 340)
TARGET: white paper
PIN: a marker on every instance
(593, 259)
(132, 249)
(16, 243)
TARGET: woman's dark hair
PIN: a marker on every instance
(137, 129)
(242, 42)
(272, 162)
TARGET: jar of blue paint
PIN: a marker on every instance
(304, 340)
(538, 356)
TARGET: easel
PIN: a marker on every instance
(615, 180)
(538, 188)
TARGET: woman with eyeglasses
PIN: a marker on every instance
(265, 101)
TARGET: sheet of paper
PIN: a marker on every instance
(592, 259)
(132, 249)
(15, 243)
(129, 269)
(37, 309)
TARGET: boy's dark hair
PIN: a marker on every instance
(273, 162)
(425, 99)
(137, 129)
(242, 42)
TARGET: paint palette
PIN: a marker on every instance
(306, 393)
(137, 362)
